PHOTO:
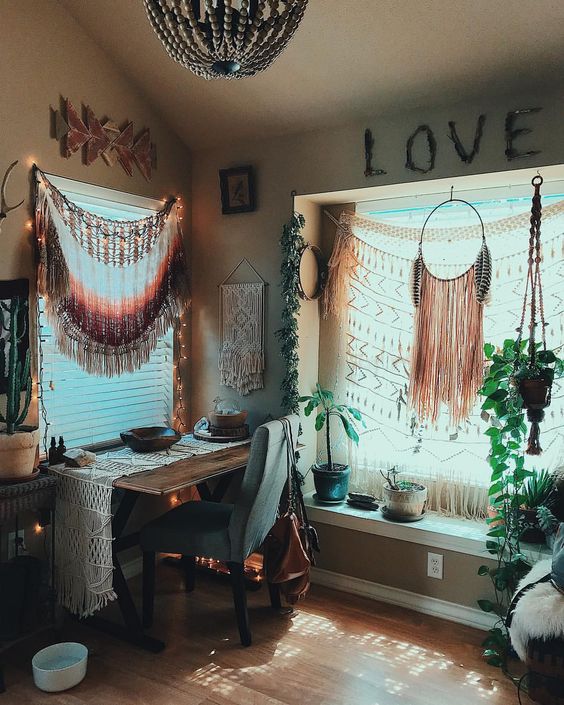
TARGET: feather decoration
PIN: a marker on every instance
(415, 279)
(483, 273)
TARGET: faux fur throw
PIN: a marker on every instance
(539, 613)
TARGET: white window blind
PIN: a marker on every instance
(87, 409)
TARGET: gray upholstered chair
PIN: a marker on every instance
(227, 532)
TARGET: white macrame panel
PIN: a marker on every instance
(83, 528)
(241, 354)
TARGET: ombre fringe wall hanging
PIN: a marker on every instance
(241, 321)
(112, 288)
(448, 340)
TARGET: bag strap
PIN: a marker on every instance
(512, 607)
(290, 461)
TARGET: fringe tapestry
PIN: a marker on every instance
(112, 288)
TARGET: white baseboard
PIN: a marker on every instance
(376, 591)
(462, 614)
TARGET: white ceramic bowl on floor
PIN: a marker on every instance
(59, 666)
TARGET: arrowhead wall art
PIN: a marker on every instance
(96, 138)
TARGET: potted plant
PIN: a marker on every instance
(536, 491)
(18, 443)
(404, 500)
(534, 371)
(331, 479)
(503, 409)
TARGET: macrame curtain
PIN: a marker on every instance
(369, 297)
(111, 287)
(241, 354)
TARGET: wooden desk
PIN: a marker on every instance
(186, 473)
(195, 471)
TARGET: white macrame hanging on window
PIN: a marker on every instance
(241, 353)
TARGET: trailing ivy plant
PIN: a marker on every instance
(503, 408)
(292, 244)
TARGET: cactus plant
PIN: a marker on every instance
(13, 322)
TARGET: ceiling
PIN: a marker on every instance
(348, 60)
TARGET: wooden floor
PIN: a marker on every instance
(335, 650)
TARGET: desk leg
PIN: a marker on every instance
(132, 630)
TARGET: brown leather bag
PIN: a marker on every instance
(288, 548)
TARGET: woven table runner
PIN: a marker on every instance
(83, 528)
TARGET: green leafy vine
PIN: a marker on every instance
(292, 244)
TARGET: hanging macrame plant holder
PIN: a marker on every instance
(535, 389)
(447, 354)
(111, 288)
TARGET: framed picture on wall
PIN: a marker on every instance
(237, 190)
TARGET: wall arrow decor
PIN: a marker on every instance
(106, 139)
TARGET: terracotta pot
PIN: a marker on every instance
(18, 453)
(405, 503)
(535, 393)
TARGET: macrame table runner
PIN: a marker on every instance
(241, 354)
(83, 527)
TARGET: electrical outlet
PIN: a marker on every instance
(435, 565)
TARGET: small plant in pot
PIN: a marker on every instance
(331, 479)
(536, 491)
(534, 372)
(404, 500)
(18, 443)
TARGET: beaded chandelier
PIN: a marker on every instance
(225, 38)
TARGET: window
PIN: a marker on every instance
(87, 409)
(377, 330)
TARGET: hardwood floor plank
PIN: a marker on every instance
(335, 649)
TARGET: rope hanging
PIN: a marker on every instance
(446, 361)
(533, 291)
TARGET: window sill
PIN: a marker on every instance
(449, 533)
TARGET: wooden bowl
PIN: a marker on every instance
(227, 420)
(150, 438)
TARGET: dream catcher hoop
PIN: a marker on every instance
(447, 353)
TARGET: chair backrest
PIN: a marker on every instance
(255, 508)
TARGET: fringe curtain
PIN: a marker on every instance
(241, 355)
(448, 342)
(111, 288)
(372, 317)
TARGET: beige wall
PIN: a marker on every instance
(44, 54)
(326, 162)
(401, 564)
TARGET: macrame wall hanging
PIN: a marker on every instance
(241, 321)
(447, 352)
(112, 288)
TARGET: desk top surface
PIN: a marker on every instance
(186, 473)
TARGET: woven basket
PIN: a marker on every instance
(27, 496)
(545, 661)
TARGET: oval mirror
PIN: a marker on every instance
(313, 273)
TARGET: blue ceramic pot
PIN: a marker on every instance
(331, 485)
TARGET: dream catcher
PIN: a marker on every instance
(447, 354)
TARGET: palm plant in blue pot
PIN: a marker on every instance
(331, 479)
